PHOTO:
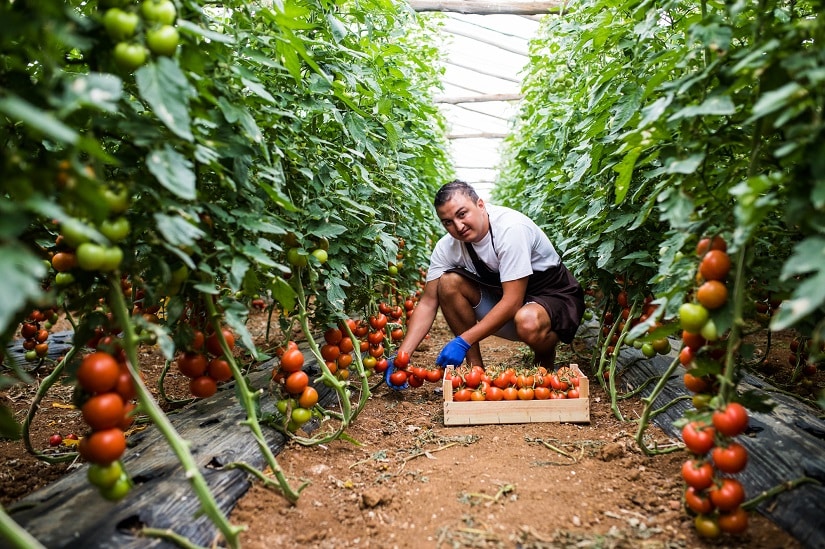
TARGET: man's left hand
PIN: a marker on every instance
(453, 353)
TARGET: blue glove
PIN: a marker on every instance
(453, 353)
(389, 371)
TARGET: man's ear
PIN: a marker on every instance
(480, 203)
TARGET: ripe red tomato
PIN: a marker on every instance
(103, 447)
(698, 501)
(213, 346)
(203, 386)
(308, 398)
(375, 337)
(397, 334)
(296, 382)
(698, 437)
(526, 393)
(376, 350)
(715, 265)
(694, 341)
(734, 522)
(462, 395)
(435, 375)
(472, 379)
(573, 393)
(346, 345)
(731, 420)
(542, 393)
(694, 383)
(494, 394)
(333, 336)
(98, 372)
(510, 393)
(192, 364)
(125, 386)
(378, 321)
(402, 360)
(103, 411)
(219, 369)
(330, 351)
(712, 294)
(728, 495)
(707, 244)
(292, 361)
(697, 473)
(731, 458)
(55, 440)
(398, 378)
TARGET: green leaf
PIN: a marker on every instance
(237, 271)
(21, 273)
(718, 105)
(283, 293)
(163, 85)
(806, 298)
(625, 169)
(37, 119)
(212, 36)
(100, 91)
(808, 256)
(685, 165)
(774, 100)
(177, 230)
(173, 171)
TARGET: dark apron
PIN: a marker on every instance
(555, 289)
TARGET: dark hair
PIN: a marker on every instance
(456, 186)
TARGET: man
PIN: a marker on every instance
(494, 272)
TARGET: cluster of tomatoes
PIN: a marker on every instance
(474, 383)
(415, 376)
(711, 294)
(36, 335)
(204, 363)
(291, 378)
(105, 395)
(122, 19)
(712, 494)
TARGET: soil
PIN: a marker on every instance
(405, 480)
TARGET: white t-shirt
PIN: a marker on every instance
(521, 248)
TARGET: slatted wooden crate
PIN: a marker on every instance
(569, 410)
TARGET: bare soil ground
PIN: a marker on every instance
(408, 481)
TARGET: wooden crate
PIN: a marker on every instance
(568, 410)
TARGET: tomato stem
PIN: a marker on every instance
(648, 412)
(786, 486)
(248, 398)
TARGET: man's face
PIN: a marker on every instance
(464, 218)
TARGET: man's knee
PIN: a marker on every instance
(531, 326)
(450, 284)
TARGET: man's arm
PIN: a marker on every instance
(504, 311)
(422, 319)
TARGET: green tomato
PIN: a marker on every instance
(392, 270)
(320, 255)
(90, 256)
(64, 279)
(301, 415)
(709, 331)
(120, 24)
(31, 355)
(296, 258)
(180, 275)
(112, 258)
(74, 232)
(158, 11)
(104, 476)
(648, 350)
(117, 200)
(588, 315)
(163, 40)
(692, 317)
(115, 229)
(118, 490)
(129, 56)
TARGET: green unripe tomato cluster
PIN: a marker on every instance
(161, 37)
